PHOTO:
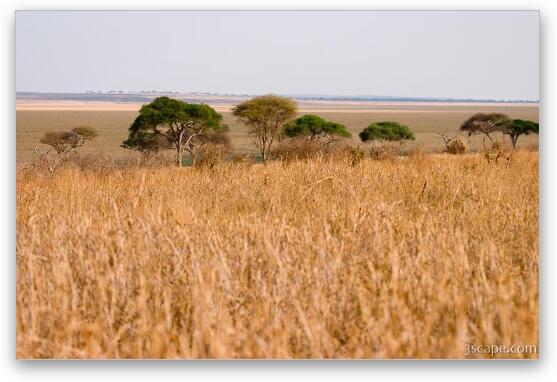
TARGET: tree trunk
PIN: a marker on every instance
(179, 155)
(514, 138)
(263, 149)
(180, 148)
(194, 157)
(264, 154)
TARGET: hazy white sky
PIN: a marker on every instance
(411, 54)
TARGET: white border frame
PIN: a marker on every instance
(430, 371)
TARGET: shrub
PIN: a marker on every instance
(381, 150)
(355, 155)
(497, 151)
(455, 146)
(243, 159)
(212, 155)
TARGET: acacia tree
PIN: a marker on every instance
(183, 126)
(265, 116)
(145, 140)
(485, 124)
(519, 127)
(386, 131)
(64, 144)
(316, 128)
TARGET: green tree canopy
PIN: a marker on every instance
(315, 127)
(388, 131)
(519, 127)
(182, 126)
(265, 116)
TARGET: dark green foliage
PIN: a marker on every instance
(171, 123)
(315, 127)
(519, 127)
(386, 131)
(170, 114)
(146, 143)
(524, 127)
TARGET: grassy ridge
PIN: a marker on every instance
(405, 258)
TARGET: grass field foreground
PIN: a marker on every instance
(413, 257)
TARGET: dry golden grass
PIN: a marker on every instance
(401, 258)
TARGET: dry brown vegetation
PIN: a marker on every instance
(412, 257)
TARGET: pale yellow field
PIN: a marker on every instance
(413, 257)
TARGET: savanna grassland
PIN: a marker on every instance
(424, 120)
(409, 257)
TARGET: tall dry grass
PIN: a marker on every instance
(414, 257)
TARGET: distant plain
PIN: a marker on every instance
(112, 120)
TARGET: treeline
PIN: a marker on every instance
(167, 123)
(191, 129)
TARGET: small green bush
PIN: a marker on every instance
(386, 131)
(315, 127)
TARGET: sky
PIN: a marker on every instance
(454, 54)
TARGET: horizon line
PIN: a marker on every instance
(307, 96)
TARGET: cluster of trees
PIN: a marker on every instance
(188, 129)
(167, 123)
(487, 124)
